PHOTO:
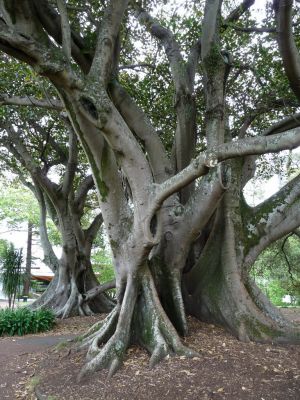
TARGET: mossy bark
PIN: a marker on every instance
(138, 317)
(216, 290)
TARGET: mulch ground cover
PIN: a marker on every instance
(224, 369)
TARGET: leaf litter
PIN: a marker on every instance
(225, 369)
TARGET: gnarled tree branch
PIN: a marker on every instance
(31, 101)
(287, 46)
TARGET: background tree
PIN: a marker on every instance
(33, 157)
(171, 217)
(277, 270)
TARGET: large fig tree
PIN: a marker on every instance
(171, 194)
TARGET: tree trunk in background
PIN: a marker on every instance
(27, 275)
(50, 258)
(73, 277)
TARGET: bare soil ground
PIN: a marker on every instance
(225, 369)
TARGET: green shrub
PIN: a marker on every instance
(276, 292)
(23, 321)
(11, 271)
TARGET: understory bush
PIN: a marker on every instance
(22, 321)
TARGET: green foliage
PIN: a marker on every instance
(102, 262)
(276, 292)
(11, 272)
(3, 246)
(277, 270)
(102, 265)
(17, 205)
(23, 321)
(101, 258)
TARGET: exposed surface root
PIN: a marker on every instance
(109, 357)
(155, 331)
(101, 334)
(139, 318)
(116, 330)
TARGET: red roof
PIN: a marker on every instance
(44, 278)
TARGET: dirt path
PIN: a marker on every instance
(225, 369)
(19, 346)
(18, 357)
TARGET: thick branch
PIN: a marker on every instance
(210, 28)
(113, 203)
(43, 58)
(287, 224)
(106, 41)
(11, 148)
(238, 12)
(31, 166)
(172, 49)
(284, 125)
(208, 194)
(86, 297)
(49, 256)
(85, 185)
(213, 64)
(287, 46)
(199, 166)
(123, 143)
(193, 60)
(72, 163)
(183, 75)
(134, 66)
(92, 230)
(275, 206)
(65, 28)
(254, 29)
(31, 101)
(46, 134)
(52, 24)
(142, 127)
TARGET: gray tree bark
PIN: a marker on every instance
(28, 262)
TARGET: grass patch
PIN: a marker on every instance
(62, 345)
(32, 384)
